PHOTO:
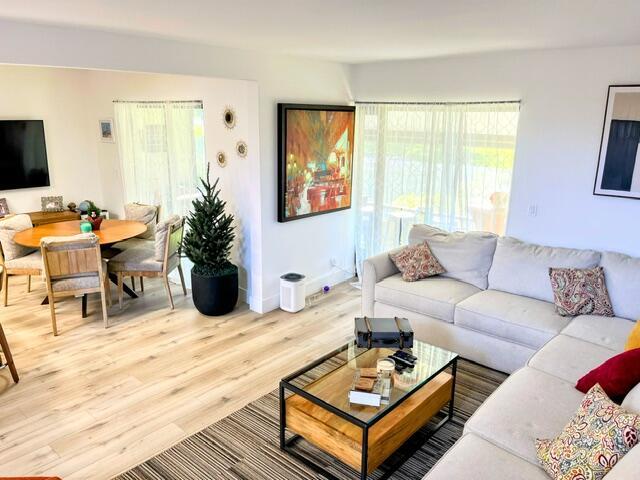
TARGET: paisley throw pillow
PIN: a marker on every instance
(597, 437)
(580, 291)
(416, 262)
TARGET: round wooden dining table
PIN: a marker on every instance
(111, 231)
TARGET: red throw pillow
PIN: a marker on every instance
(617, 376)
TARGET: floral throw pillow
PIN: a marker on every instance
(416, 262)
(580, 291)
(597, 437)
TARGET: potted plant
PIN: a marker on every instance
(93, 216)
(207, 243)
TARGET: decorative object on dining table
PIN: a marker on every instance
(229, 117)
(52, 204)
(207, 243)
(94, 216)
(106, 130)
(86, 227)
(72, 206)
(4, 208)
(383, 332)
(241, 149)
(221, 158)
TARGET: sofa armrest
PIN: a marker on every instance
(374, 269)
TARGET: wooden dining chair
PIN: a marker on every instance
(16, 259)
(160, 262)
(73, 266)
(6, 351)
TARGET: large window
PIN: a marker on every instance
(161, 146)
(448, 165)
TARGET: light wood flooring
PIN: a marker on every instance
(92, 403)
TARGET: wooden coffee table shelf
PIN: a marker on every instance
(359, 436)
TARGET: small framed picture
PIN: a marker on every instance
(51, 204)
(4, 208)
(106, 130)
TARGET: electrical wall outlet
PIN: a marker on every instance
(532, 211)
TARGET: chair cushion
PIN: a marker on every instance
(135, 243)
(523, 268)
(569, 358)
(162, 229)
(135, 260)
(609, 332)
(472, 457)
(146, 214)
(78, 283)
(466, 256)
(530, 404)
(8, 229)
(434, 296)
(32, 261)
(519, 319)
(622, 274)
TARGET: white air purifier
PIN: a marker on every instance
(292, 292)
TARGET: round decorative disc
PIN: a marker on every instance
(229, 117)
(241, 149)
(222, 159)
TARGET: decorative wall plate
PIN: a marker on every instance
(222, 159)
(241, 148)
(229, 117)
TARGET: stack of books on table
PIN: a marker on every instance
(368, 389)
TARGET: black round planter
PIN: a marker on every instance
(215, 295)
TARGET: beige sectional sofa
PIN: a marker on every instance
(494, 306)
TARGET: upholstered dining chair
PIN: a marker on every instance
(6, 351)
(147, 214)
(73, 266)
(159, 262)
(16, 259)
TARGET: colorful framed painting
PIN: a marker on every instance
(618, 172)
(315, 159)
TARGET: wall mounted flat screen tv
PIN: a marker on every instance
(23, 155)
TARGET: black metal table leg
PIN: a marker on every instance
(283, 417)
(454, 373)
(365, 453)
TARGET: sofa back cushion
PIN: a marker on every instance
(622, 274)
(466, 256)
(523, 268)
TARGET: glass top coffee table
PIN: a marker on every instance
(314, 405)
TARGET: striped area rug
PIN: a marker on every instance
(244, 445)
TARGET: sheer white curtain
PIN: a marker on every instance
(447, 165)
(161, 146)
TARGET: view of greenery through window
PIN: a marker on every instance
(448, 165)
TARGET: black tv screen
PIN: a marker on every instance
(23, 154)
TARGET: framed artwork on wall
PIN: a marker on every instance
(618, 172)
(106, 130)
(4, 208)
(315, 159)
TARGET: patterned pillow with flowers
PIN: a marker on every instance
(597, 437)
(580, 291)
(416, 262)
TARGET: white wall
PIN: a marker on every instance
(563, 95)
(59, 98)
(305, 245)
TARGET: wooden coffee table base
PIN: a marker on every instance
(364, 449)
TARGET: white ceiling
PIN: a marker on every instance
(353, 30)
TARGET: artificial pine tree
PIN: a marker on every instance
(209, 238)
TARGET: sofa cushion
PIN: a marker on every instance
(487, 462)
(627, 466)
(416, 262)
(530, 404)
(616, 376)
(633, 340)
(580, 291)
(524, 320)
(466, 256)
(523, 268)
(569, 358)
(609, 332)
(434, 296)
(632, 401)
(622, 274)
